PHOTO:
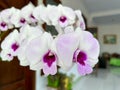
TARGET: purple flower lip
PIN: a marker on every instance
(9, 55)
(3, 24)
(80, 57)
(49, 58)
(15, 46)
(63, 19)
(31, 16)
(22, 20)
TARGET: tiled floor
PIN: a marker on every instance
(107, 79)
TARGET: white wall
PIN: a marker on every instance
(40, 1)
(41, 82)
(76, 4)
(109, 29)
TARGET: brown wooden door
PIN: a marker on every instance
(15, 77)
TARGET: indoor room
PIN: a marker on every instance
(59, 44)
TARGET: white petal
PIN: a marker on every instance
(10, 39)
(21, 54)
(66, 46)
(80, 22)
(89, 44)
(5, 57)
(69, 13)
(16, 18)
(53, 14)
(26, 11)
(69, 29)
(37, 12)
(28, 32)
(92, 62)
(41, 14)
(7, 13)
(37, 66)
(10, 26)
(37, 48)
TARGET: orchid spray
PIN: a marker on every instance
(35, 47)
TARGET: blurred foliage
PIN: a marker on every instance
(60, 81)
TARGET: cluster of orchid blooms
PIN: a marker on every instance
(35, 47)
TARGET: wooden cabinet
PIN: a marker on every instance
(15, 77)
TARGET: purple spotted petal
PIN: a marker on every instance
(89, 44)
(84, 69)
(81, 58)
(35, 50)
(6, 56)
(33, 19)
(14, 46)
(63, 21)
(22, 21)
(49, 58)
(3, 26)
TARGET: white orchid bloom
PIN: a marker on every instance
(41, 14)
(80, 21)
(61, 15)
(23, 16)
(27, 13)
(79, 47)
(27, 33)
(5, 16)
(17, 19)
(10, 46)
(86, 55)
(43, 58)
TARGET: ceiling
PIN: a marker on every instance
(103, 11)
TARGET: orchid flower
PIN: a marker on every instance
(80, 21)
(72, 47)
(86, 55)
(5, 16)
(43, 58)
(10, 46)
(61, 16)
(24, 16)
(82, 46)
(27, 33)
(27, 12)
(40, 14)
(17, 20)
